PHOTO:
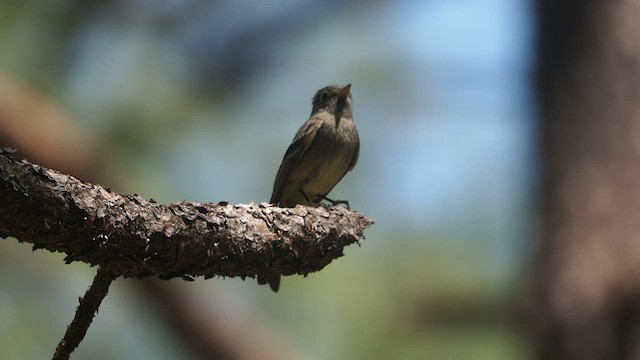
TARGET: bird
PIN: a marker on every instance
(324, 149)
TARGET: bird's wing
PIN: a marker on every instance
(304, 137)
(356, 154)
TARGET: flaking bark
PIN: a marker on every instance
(133, 237)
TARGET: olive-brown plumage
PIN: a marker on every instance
(323, 150)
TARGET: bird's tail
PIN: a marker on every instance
(272, 280)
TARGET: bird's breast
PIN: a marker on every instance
(328, 157)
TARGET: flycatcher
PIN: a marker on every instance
(324, 149)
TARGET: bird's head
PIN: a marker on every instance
(334, 99)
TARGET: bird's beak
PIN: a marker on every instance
(343, 95)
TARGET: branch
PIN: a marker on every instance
(133, 237)
(87, 309)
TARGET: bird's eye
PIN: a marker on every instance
(324, 97)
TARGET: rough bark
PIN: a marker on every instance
(587, 299)
(130, 236)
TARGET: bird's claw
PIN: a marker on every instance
(337, 202)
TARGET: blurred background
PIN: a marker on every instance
(197, 100)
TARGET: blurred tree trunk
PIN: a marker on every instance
(586, 303)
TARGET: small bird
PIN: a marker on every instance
(324, 149)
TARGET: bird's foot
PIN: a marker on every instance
(336, 202)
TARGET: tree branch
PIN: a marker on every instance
(87, 309)
(133, 237)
